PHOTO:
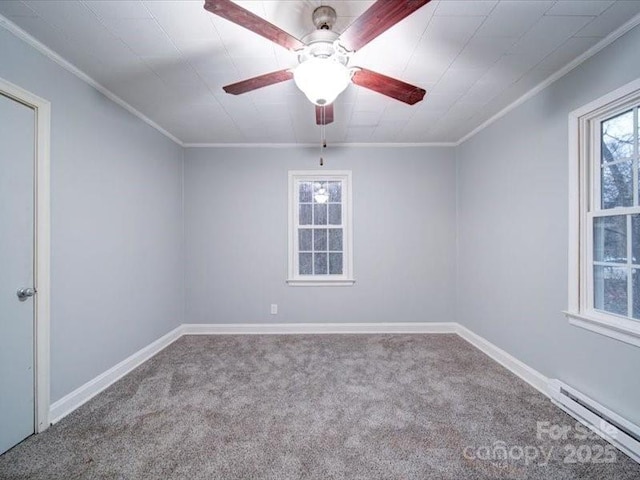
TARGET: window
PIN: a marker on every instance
(605, 208)
(320, 246)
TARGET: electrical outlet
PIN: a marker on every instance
(274, 309)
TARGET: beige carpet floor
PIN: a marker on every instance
(316, 407)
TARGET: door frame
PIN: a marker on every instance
(42, 240)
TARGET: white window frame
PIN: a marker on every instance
(584, 147)
(346, 279)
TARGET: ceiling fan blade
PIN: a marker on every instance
(258, 82)
(324, 115)
(388, 86)
(240, 16)
(381, 16)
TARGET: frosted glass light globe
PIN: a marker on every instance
(322, 79)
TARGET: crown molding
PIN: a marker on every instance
(606, 41)
(47, 52)
(315, 145)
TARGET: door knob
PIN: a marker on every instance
(25, 293)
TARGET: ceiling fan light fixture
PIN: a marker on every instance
(322, 79)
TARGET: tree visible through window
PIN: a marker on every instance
(616, 218)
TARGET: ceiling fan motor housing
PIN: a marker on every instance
(324, 17)
(322, 44)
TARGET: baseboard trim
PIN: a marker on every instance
(316, 328)
(67, 404)
(511, 363)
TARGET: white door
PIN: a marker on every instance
(17, 315)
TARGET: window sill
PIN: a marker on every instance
(621, 329)
(320, 283)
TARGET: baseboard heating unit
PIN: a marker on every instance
(618, 431)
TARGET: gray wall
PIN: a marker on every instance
(236, 233)
(116, 240)
(512, 231)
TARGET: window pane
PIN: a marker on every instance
(635, 239)
(320, 240)
(305, 192)
(305, 215)
(335, 264)
(610, 289)
(320, 263)
(610, 239)
(304, 239)
(636, 293)
(320, 193)
(335, 239)
(335, 214)
(617, 185)
(305, 264)
(617, 137)
(335, 192)
(320, 214)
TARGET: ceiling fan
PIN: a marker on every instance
(324, 72)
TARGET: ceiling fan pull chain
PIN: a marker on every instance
(322, 121)
(323, 132)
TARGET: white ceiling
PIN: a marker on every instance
(170, 59)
